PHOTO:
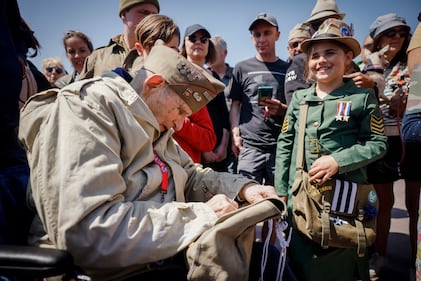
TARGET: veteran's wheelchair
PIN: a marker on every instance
(18, 260)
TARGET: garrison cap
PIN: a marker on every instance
(192, 83)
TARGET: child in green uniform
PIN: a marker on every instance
(345, 124)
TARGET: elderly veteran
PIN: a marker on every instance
(110, 184)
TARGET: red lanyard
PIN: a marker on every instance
(164, 173)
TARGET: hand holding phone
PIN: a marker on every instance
(264, 93)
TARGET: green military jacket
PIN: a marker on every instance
(347, 124)
(115, 54)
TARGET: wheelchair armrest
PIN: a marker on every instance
(34, 262)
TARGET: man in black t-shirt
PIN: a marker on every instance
(256, 123)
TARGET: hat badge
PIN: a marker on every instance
(185, 70)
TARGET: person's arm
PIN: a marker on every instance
(370, 143)
(414, 48)
(285, 149)
(237, 142)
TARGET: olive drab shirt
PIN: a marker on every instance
(347, 124)
(115, 54)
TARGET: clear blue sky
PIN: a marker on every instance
(99, 19)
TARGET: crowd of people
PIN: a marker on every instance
(150, 139)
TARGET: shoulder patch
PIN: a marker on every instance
(376, 124)
(285, 125)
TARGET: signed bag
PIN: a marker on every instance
(223, 252)
(336, 214)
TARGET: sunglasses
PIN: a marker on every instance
(57, 69)
(294, 45)
(202, 39)
(392, 33)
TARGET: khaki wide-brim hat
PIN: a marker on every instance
(337, 30)
(324, 9)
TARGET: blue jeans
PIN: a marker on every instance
(411, 127)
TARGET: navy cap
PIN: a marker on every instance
(265, 17)
(192, 29)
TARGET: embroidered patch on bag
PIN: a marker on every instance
(344, 197)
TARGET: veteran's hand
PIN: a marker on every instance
(322, 169)
(253, 192)
(221, 204)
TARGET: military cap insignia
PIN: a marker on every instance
(207, 95)
(342, 110)
(185, 70)
(285, 125)
(376, 124)
(197, 96)
(187, 93)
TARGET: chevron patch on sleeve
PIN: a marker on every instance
(285, 125)
(376, 124)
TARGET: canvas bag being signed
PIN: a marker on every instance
(336, 214)
(224, 251)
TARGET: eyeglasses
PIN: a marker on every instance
(368, 45)
(57, 69)
(202, 39)
(392, 33)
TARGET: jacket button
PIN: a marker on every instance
(316, 124)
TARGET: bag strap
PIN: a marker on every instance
(325, 225)
(361, 238)
(301, 133)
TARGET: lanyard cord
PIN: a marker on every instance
(164, 173)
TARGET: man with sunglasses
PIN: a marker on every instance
(120, 51)
(297, 34)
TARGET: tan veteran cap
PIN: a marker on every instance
(193, 84)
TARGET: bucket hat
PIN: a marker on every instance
(385, 22)
(337, 30)
(323, 9)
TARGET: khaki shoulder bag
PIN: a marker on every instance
(337, 213)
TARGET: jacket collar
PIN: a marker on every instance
(348, 88)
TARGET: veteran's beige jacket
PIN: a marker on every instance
(95, 184)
